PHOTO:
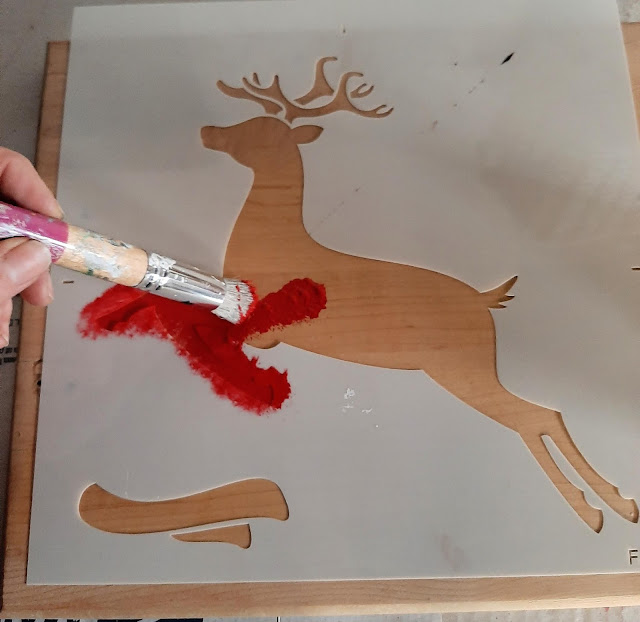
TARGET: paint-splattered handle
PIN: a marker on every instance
(75, 248)
(97, 255)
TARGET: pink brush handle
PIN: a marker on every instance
(75, 248)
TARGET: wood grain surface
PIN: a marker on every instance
(250, 498)
(240, 535)
(242, 599)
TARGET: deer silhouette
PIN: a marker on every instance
(377, 313)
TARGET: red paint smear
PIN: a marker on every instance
(211, 346)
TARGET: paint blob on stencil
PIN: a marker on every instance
(211, 346)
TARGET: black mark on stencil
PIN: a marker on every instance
(633, 556)
(508, 58)
(473, 88)
(67, 282)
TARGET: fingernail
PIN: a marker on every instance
(49, 291)
(57, 208)
(25, 262)
(4, 341)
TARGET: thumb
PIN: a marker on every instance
(21, 265)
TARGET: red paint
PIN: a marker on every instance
(211, 346)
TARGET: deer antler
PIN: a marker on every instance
(238, 93)
(320, 86)
(273, 100)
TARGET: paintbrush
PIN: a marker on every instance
(97, 255)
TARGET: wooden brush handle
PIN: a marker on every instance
(76, 248)
(97, 255)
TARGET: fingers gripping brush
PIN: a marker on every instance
(96, 255)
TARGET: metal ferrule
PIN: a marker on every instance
(167, 278)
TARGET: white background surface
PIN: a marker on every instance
(25, 27)
(513, 179)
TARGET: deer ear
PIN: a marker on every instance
(306, 133)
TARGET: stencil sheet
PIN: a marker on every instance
(486, 169)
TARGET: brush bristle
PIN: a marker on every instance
(237, 303)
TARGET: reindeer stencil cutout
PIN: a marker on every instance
(377, 313)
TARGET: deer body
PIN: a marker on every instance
(405, 308)
(378, 313)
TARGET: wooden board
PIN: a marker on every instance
(354, 597)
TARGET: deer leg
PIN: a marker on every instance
(572, 494)
(490, 398)
(554, 428)
(473, 379)
(532, 422)
(265, 341)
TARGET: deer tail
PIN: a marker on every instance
(495, 297)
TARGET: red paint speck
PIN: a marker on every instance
(211, 346)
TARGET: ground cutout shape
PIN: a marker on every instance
(252, 498)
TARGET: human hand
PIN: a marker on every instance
(23, 263)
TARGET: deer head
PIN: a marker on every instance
(271, 137)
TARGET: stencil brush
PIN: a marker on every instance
(97, 255)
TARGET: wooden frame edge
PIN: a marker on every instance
(243, 599)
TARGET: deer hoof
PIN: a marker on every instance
(594, 518)
(628, 509)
